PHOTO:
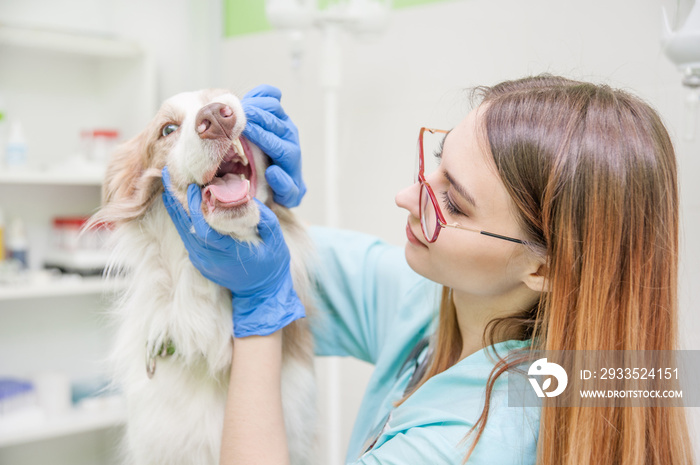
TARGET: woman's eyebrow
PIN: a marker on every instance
(461, 190)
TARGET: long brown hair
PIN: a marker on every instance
(592, 172)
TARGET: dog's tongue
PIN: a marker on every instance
(229, 190)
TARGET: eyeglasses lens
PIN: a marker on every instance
(431, 148)
(428, 220)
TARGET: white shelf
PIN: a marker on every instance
(71, 286)
(15, 431)
(68, 42)
(52, 177)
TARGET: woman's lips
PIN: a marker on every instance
(412, 237)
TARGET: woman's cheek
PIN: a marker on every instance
(476, 270)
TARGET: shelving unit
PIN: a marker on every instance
(84, 177)
(58, 323)
(66, 42)
(34, 428)
(61, 287)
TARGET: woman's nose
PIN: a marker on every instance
(409, 198)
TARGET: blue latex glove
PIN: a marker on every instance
(270, 128)
(264, 299)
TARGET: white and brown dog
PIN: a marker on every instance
(173, 345)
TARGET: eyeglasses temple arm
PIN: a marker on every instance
(505, 238)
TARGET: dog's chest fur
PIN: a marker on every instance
(176, 417)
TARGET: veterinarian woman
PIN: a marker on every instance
(552, 222)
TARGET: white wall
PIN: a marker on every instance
(416, 74)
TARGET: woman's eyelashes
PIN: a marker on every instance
(450, 206)
(437, 153)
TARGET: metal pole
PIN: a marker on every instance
(330, 81)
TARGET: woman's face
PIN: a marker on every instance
(467, 261)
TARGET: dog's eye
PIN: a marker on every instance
(169, 128)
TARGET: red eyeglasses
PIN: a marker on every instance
(431, 217)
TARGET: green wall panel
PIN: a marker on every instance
(244, 17)
(248, 16)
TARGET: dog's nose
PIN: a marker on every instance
(215, 121)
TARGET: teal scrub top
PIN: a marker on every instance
(372, 306)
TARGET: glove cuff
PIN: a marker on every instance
(264, 314)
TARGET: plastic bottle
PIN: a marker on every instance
(16, 151)
(17, 243)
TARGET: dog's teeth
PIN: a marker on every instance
(239, 150)
(242, 177)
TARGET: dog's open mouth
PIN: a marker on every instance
(233, 185)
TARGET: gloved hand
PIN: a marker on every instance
(264, 299)
(270, 128)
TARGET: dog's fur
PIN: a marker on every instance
(176, 417)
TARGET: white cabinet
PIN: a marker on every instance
(57, 84)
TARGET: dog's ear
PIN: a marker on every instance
(131, 183)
